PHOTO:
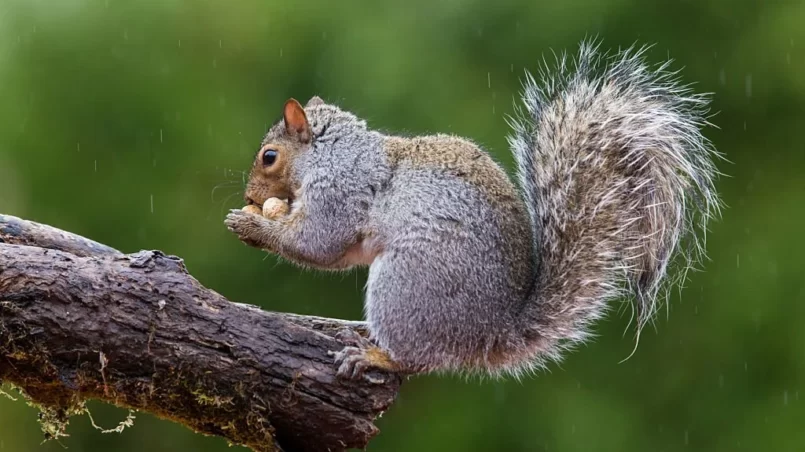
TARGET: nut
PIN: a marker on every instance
(251, 208)
(274, 208)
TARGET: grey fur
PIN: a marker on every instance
(617, 174)
(466, 274)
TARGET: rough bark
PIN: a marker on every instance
(80, 320)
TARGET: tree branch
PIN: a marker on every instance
(80, 320)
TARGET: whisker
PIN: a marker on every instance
(226, 200)
(222, 185)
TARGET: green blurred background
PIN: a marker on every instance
(132, 122)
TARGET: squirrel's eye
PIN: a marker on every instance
(269, 157)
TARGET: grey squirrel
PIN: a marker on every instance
(467, 271)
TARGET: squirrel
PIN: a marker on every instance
(469, 271)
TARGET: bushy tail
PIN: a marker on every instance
(619, 179)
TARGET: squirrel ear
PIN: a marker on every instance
(315, 100)
(296, 121)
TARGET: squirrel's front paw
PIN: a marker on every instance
(247, 226)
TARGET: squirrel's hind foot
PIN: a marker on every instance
(353, 363)
(360, 356)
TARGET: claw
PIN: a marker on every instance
(352, 363)
(346, 360)
(245, 225)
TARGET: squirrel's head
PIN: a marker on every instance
(271, 176)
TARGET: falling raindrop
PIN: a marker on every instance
(748, 85)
